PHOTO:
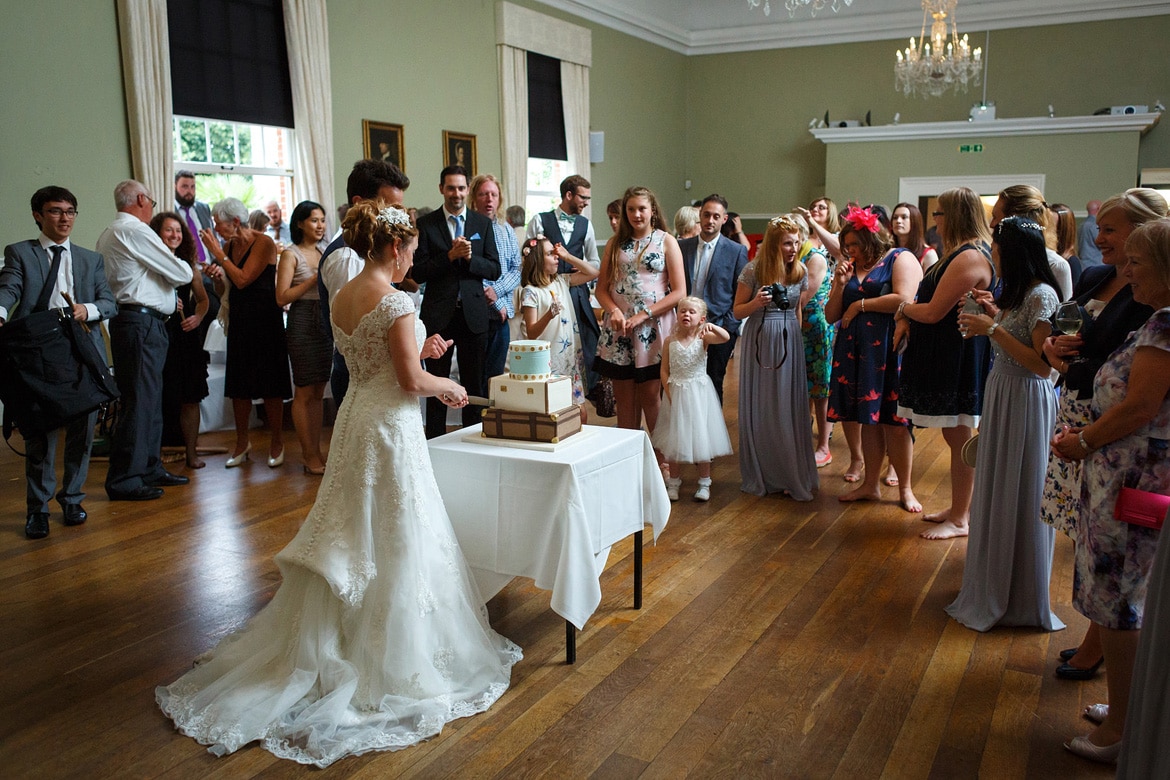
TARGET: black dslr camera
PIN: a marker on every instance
(779, 294)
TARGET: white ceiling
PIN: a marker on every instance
(718, 26)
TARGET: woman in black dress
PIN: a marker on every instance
(257, 357)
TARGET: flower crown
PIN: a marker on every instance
(392, 215)
(530, 244)
(863, 218)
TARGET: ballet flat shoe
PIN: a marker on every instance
(1102, 754)
(1069, 653)
(1096, 713)
(277, 461)
(1067, 671)
(236, 460)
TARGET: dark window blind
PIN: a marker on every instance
(546, 113)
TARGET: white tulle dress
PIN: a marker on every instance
(690, 425)
(378, 635)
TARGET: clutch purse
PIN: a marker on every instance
(1141, 507)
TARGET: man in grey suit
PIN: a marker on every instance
(713, 264)
(195, 213)
(80, 285)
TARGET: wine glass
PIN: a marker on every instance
(1070, 318)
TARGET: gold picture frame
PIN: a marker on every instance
(384, 141)
(459, 149)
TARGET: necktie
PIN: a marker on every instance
(57, 300)
(701, 269)
(195, 233)
(457, 221)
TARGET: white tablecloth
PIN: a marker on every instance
(551, 516)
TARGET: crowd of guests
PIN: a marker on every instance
(839, 316)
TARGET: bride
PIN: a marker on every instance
(378, 635)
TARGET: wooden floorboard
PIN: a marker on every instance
(776, 639)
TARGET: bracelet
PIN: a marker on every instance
(1084, 444)
(899, 312)
(1065, 369)
(994, 327)
(863, 305)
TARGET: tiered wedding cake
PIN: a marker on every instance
(529, 403)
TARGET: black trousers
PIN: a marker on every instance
(471, 349)
(139, 346)
(717, 357)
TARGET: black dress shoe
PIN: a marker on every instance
(1067, 671)
(75, 514)
(1066, 655)
(167, 479)
(37, 525)
(144, 493)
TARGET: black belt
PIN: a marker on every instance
(158, 315)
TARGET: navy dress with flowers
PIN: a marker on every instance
(864, 384)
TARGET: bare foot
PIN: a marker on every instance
(891, 478)
(862, 493)
(195, 464)
(853, 473)
(947, 530)
(938, 517)
(908, 501)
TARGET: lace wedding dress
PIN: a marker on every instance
(378, 635)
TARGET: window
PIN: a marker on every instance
(544, 181)
(230, 159)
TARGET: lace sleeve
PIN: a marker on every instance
(1040, 304)
(397, 304)
(747, 277)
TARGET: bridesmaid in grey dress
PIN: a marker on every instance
(1009, 554)
(775, 435)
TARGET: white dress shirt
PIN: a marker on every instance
(140, 268)
(339, 269)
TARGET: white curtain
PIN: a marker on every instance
(514, 124)
(575, 98)
(306, 32)
(146, 73)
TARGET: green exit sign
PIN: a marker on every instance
(970, 148)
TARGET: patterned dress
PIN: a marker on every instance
(378, 635)
(1009, 552)
(561, 333)
(1113, 559)
(818, 333)
(641, 283)
(865, 382)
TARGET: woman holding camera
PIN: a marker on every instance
(775, 439)
(867, 289)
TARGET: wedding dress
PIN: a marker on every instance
(378, 635)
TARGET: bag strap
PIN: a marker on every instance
(47, 291)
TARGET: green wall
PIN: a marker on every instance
(749, 113)
(64, 118)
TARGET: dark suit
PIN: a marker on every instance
(727, 262)
(23, 278)
(454, 304)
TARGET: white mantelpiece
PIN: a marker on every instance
(1043, 125)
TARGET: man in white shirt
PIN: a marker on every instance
(195, 213)
(143, 274)
(27, 272)
(568, 226)
(278, 230)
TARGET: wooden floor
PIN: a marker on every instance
(776, 639)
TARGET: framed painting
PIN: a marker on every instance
(459, 149)
(383, 141)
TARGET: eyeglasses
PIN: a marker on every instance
(56, 213)
(153, 202)
(937, 214)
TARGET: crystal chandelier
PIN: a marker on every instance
(933, 66)
(794, 5)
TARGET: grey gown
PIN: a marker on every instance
(775, 438)
(1009, 552)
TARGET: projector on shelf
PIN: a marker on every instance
(982, 112)
(1129, 110)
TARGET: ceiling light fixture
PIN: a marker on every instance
(944, 61)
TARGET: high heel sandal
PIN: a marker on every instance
(1067, 671)
(236, 460)
(277, 461)
(1102, 754)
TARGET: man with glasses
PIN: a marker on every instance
(143, 274)
(77, 279)
(568, 226)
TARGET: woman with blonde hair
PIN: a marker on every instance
(943, 374)
(1024, 200)
(867, 289)
(775, 440)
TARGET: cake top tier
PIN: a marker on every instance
(530, 359)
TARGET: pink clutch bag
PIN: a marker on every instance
(1141, 507)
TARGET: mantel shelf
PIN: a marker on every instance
(1040, 125)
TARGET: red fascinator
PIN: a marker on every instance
(863, 218)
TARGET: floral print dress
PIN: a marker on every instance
(641, 282)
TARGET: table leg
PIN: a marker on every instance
(570, 643)
(637, 570)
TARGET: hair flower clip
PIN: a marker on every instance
(863, 218)
(392, 215)
(1020, 222)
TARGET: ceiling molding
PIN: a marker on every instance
(696, 27)
(1041, 125)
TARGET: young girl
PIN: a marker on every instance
(545, 311)
(690, 425)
